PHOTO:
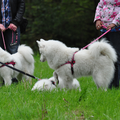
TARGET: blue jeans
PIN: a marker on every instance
(114, 39)
(12, 40)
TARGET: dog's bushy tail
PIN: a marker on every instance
(103, 48)
(26, 52)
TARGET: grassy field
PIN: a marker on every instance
(18, 102)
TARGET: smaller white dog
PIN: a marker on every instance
(44, 84)
(23, 60)
(50, 84)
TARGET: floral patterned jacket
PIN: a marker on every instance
(108, 11)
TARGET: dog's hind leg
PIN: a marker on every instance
(101, 80)
(7, 80)
(97, 78)
(55, 75)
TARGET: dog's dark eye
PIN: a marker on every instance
(53, 82)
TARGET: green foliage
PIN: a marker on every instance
(70, 21)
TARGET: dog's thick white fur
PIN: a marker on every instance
(44, 84)
(75, 84)
(24, 61)
(98, 61)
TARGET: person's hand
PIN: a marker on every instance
(2, 28)
(110, 26)
(12, 27)
(99, 24)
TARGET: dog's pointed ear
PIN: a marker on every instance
(42, 40)
(40, 44)
(38, 41)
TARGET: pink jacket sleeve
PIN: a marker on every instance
(116, 20)
(98, 11)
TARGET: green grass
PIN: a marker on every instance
(18, 102)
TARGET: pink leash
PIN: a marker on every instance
(4, 39)
(72, 62)
(98, 37)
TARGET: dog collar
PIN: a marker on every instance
(12, 62)
(72, 62)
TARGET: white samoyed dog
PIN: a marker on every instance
(68, 63)
(23, 60)
(44, 84)
(50, 84)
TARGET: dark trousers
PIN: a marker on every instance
(12, 40)
(114, 39)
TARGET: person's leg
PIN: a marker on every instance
(115, 81)
(12, 40)
(114, 39)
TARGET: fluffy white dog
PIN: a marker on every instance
(68, 63)
(23, 60)
(50, 84)
(44, 84)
